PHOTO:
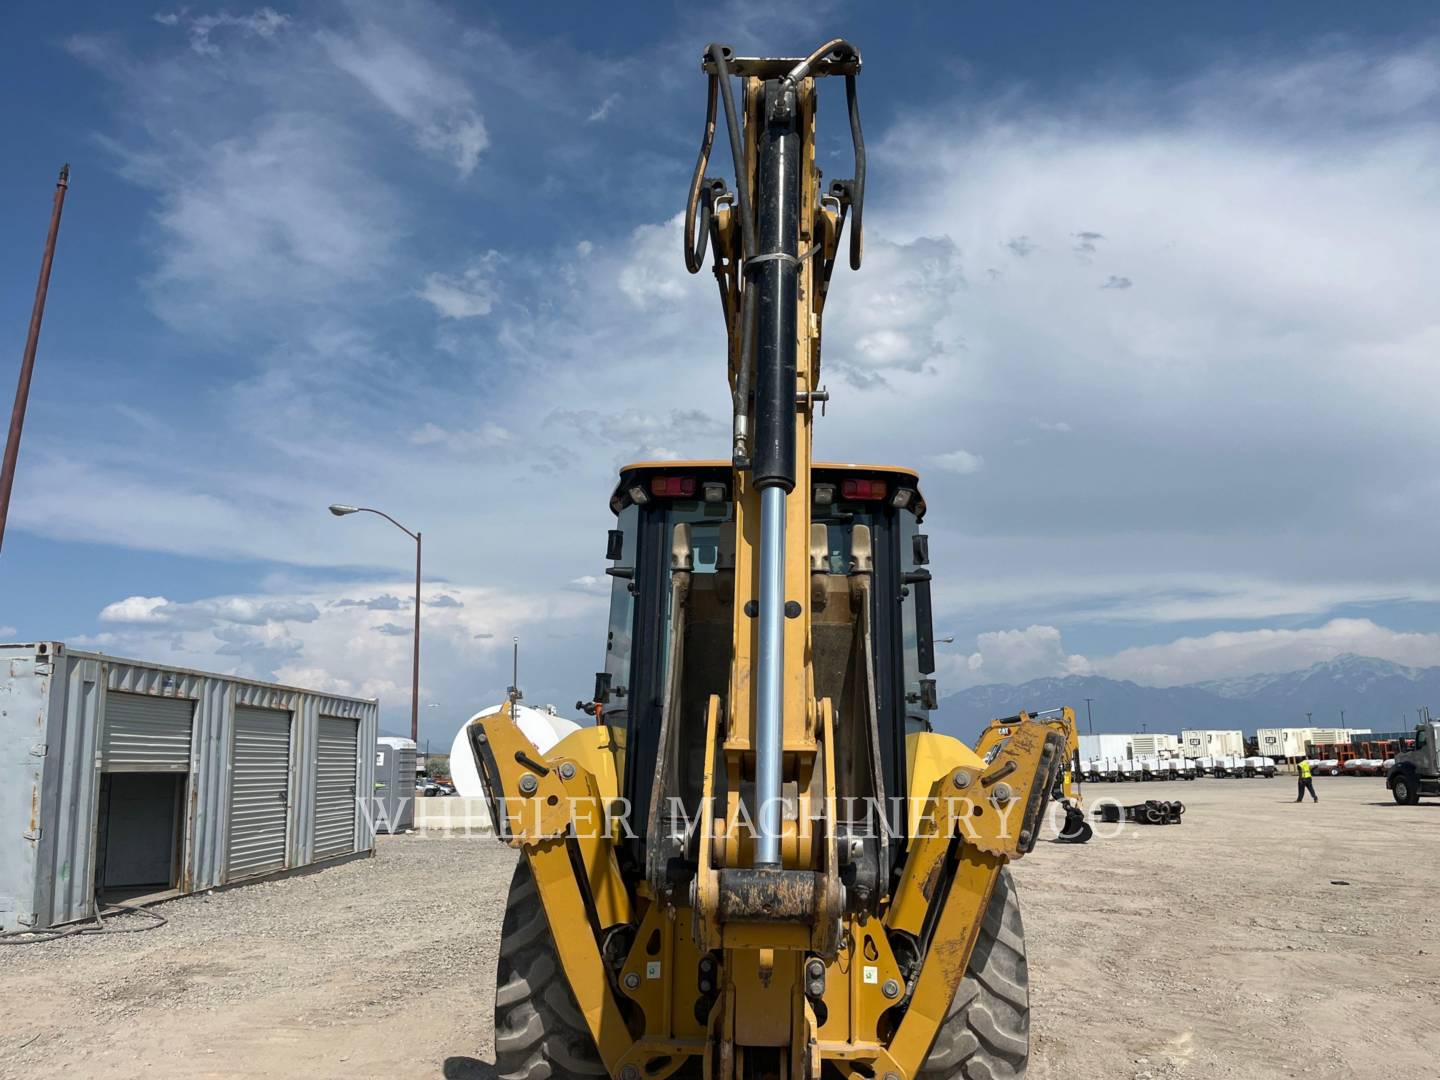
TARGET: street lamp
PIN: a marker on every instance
(340, 510)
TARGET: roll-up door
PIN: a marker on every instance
(259, 792)
(338, 758)
(146, 734)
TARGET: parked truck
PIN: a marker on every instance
(1417, 772)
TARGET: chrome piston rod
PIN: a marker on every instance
(769, 679)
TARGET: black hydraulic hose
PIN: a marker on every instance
(839, 46)
(737, 148)
(740, 448)
(857, 194)
(695, 243)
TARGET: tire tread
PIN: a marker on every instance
(540, 1033)
(986, 1031)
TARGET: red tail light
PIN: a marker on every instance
(674, 487)
(858, 487)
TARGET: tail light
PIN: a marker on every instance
(862, 488)
(673, 487)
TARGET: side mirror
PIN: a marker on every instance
(614, 544)
(602, 687)
(929, 696)
(920, 549)
(924, 630)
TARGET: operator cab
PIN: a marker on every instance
(670, 633)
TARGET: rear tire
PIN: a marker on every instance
(986, 1033)
(540, 1033)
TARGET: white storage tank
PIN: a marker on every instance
(140, 779)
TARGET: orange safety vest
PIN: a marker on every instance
(1304, 768)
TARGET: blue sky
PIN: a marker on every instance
(1148, 299)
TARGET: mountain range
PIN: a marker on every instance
(1375, 694)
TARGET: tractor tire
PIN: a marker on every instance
(540, 1033)
(986, 1033)
(1405, 790)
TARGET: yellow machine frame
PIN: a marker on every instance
(722, 974)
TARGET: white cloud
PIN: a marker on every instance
(1015, 656)
(437, 105)
(256, 220)
(134, 609)
(239, 610)
(320, 637)
(602, 111)
(264, 22)
(1018, 655)
(488, 436)
(1228, 654)
(648, 277)
(1060, 426)
(960, 462)
(467, 295)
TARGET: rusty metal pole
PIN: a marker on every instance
(27, 365)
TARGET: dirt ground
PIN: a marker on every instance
(1219, 948)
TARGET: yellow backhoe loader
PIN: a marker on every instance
(759, 861)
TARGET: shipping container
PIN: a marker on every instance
(124, 779)
(1207, 742)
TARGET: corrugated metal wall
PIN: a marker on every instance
(65, 696)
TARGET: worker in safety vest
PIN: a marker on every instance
(1306, 782)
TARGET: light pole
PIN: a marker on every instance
(1089, 720)
(340, 510)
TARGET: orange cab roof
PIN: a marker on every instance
(648, 466)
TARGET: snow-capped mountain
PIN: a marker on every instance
(1373, 693)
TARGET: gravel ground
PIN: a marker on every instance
(379, 967)
(1219, 948)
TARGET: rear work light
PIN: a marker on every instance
(673, 487)
(862, 488)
